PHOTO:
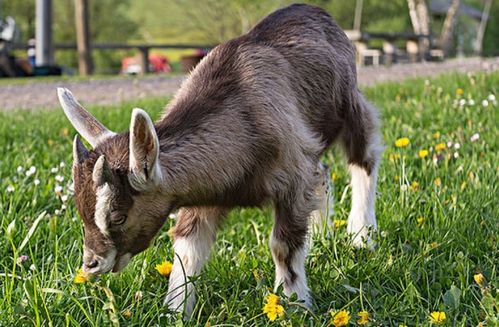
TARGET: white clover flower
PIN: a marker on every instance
(462, 102)
(485, 103)
(32, 267)
(64, 198)
(471, 102)
(58, 189)
(474, 137)
(20, 169)
(449, 144)
(31, 171)
(62, 164)
(59, 178)
(456, 155)
(57, 212)
(54, 170)
(10, 189)
(36, 182)
(404, 187)
(457, 146)
(491, 97)
(63, 207)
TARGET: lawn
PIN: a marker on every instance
(438, 227)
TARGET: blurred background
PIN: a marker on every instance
(116, 36)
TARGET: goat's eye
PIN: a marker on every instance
(118, 219)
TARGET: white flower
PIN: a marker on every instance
(62, 164)
(471, 102)
(57, 212)
(404, 187)
(36, 182)
(63, 207)
(59, 178)
(58, 189)
(32, 267)
(485, 103)
(491, 97)
(457, 146)
(456, 155)
(64, 198)
(31, 171)
(449, 144)
(10, 189)
(474, 137)
(462, 102)
(54, 170)
(20, 169)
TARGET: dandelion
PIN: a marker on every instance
(439, 147)
(10, 189)
(65, 131)
(474, 137)
(394, 156)
(127, 314)
(164, 268)
(334, 176)
(338, 223)
(479, 279)
(485, 103)
(363, 317)
(272, 307)
(21, 259)
(402, 142)
(396, 178)
(50, 142)
(36, 182)
(420, 221)
(414, 186)
(436, 135)
(437, 317)
(340, 318)
(81, 277)
(59, 178)
(459, 92)
(437, 182)
(423, 153)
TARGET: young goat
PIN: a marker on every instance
(247, 128)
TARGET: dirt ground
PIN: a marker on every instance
(37, 95)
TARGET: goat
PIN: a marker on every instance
(247, 128)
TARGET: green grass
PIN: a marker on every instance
(420, 266)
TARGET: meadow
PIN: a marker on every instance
(437, 210)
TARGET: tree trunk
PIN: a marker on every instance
(448, 27)
(420, 18)
(414, 16)
(85, 64)
(481, 28)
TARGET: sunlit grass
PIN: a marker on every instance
(437, 211)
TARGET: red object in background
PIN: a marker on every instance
(157, 64)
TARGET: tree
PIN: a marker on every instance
(448, 27)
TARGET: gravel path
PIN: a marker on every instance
(36, 95)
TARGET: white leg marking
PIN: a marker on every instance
(362, 218)
(292, 284)
(190, 255)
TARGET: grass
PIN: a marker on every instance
(438, 219)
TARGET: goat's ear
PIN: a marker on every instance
(102, 173)
(86, 124)
(145, 169)
(80, 153)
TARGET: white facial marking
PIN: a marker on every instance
(102, 207)
(106, 263)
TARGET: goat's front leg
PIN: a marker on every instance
(289, 246)
(193, 235)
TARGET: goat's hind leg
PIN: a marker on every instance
(363, 147)
(194, 235)
(321, 218)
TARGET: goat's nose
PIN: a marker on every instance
(92, 264)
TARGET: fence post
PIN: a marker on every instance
(144, 59)
(85, 64)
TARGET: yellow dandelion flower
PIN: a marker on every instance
(423, 153)
(440, 146)
(340, 318)
(272, 307)
(420, 221)
(479, 279)
(394, 156)
(127, 314)
(164, 268)
(396, 178)
(338, 223)
(436, 135)
(402, 142)
(65, 131)
(402, 325)
(414, 186)
(363, 317)
(81, 277)
(334, 176)
(434, 245)
(459, 92)
(437, 182)
(437, 317)
(50, 142)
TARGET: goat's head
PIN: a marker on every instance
(117, 187)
